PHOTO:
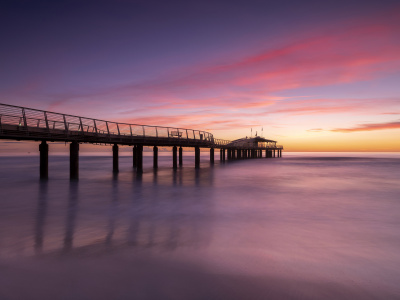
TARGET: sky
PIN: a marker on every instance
(312, 75)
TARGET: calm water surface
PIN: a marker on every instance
(298, 227)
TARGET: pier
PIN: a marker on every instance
(22, 123)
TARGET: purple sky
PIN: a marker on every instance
(315, 75)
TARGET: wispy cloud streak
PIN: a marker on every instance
(370, 127)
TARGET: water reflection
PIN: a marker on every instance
(41, 215)
(113, 210)
(162, 210)
(161, 213)
(285, 227)
(72, 210)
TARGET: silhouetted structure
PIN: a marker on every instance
(22, 123)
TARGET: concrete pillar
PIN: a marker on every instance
(74, 160)
(180, 156)
(212, 155)
(197, 157)
(223, 154)
(239, 152)
(155, 157)
(220, 154)
(229, 153)
(134, 155)
(44, 160)
(139, 159)
(115, 158)
(174, 157)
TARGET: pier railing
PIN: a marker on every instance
(35, 121)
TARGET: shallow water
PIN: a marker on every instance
(318, 226)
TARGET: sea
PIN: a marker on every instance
(303, 226)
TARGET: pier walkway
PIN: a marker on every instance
(22, 123)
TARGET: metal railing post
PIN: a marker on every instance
(47, 121)
(156, 132)
(80, 121)
(144, 133)
(108, 129)
(65, 124)
(24, 118)
(118, 129)
(95, 127)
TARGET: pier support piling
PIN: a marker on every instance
(115, 158)
(74, 160)
(212, 155)
(134, 156)
(197, 157)
(139, 159)
(155, 157)
(174, 157)
(180, 156)
(44, 160)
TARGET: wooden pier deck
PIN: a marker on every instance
(23, 123)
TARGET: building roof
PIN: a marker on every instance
(252, 140)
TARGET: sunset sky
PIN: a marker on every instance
(315, 75)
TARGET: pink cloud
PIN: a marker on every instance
(246, 87)
(354, 51)
(369, 127)
(351, 54)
